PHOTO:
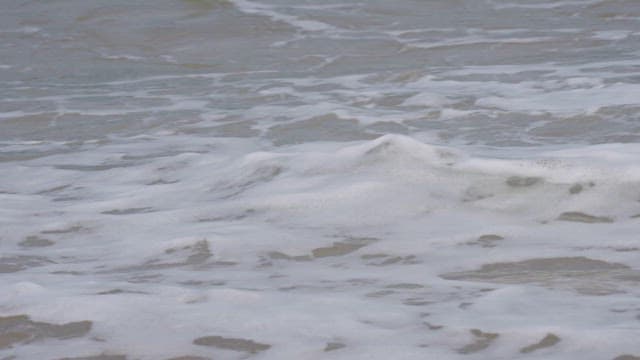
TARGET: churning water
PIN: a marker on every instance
(280, 179)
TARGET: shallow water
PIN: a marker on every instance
(231, 179)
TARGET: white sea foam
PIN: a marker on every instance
(544, 5)
(612, 35)
(566, 102)
(282, 180)
(318, 243)
(266, 10)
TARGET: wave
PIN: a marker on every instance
(396, 175)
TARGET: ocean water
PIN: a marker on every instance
(279, 179)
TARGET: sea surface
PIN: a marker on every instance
(297, 179)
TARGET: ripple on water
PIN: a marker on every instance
(235, 344)
(482, 340)
(11, 264)
(97, 357)
(585, 275)
(20, 329)
(35, 241)
(576, 216)
(548, 341)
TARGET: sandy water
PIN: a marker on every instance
(270, 179)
